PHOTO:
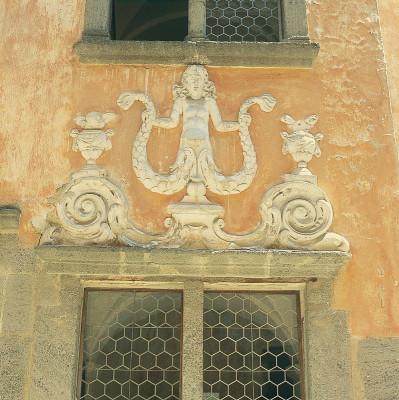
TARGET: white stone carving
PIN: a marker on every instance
(194, 101)
(195, 217)
(84, 207)
(300, 143)
(91, 210)
(92, 140)
(84, 211)
(305, 215)
(306, 211)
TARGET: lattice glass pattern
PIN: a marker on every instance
(251, 346)
(131, 346)
(242, 20)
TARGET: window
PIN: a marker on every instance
(131, 347)
(325, 369)
(150, 20)
(251, 346)
(143, 344)
(224, 20)
(243, 20)
(258, 33)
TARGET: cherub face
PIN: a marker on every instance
(194, 82)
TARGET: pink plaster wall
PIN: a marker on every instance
(43, 87)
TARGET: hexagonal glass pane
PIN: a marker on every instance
(252, 352)
(132, 345)
(262, 16)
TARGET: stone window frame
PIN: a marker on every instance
(326, 337)
(294, 50)
(192, 321)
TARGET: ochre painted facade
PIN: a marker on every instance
(353, 87)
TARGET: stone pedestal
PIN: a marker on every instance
(194, 224)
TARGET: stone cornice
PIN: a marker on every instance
(176, 263)
(256, 54)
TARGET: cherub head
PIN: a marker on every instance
(195, 84)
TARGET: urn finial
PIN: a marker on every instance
(300, 143)
(92, 139)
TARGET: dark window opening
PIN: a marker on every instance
(152, 20)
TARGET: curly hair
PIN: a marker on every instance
(180, 89)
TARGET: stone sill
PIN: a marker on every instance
(9, 219)
(166, 263)
(258, 54)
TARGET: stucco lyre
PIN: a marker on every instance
(194, 168)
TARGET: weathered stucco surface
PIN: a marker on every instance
(43, 87)
(47, 87)
(389, 15)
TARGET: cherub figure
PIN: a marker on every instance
(195, 102)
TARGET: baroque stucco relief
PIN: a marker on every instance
(91, 210)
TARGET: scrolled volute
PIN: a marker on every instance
(82, 212)
(306, 216)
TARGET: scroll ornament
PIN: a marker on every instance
(306, 212)
(91, 210)
(82, 206)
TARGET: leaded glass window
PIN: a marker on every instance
(251, 346)
(133, 343)
(225, 20)
(131, 346)
(243, 20)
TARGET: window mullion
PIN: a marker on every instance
(294, 21)
(196, 20)
(192, 358)
(98, 17)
